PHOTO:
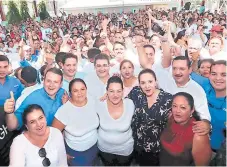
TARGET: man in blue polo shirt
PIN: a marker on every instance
(50, 98)
(215, 89)
(8, 83)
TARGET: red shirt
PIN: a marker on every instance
(177, 138)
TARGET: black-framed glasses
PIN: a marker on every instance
(42, 154)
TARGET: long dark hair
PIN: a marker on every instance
(180, 35)
(74, 81)
(114, 79)
(190, 100)
(29, 110)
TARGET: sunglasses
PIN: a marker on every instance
(42, 154)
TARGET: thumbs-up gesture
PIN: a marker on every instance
(9, 104)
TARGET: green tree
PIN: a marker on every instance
(35, 8)
(13, 15)
(43, 14)
(24, 11)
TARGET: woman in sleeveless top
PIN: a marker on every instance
(180, 146)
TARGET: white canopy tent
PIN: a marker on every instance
(112, 5)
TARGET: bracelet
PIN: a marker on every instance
(9, 113)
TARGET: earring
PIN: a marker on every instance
(190, 115)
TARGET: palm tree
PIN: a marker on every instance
(3, 16)
(35, 7)
(54, 4)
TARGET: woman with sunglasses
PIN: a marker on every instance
(38, 145)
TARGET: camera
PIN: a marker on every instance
(156, 28)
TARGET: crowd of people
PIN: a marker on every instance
(143, 88)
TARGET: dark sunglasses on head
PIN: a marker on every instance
(42, 154)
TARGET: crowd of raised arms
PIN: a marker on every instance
(143, 88)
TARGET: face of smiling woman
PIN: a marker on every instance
(115, 93)
(36, 122)
(148, 84)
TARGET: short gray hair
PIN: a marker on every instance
(196, 41)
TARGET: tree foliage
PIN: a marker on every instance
(43, 14)
(13, 15)
(24, 11)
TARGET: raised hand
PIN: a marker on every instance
(9, 104)
(138, 40)
(104, 97)
(105, 22)
(21, 43)
(193, 55)
(65, 98)
(125, 33)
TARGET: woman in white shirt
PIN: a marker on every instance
(39, 145)
(79, 120)
(115, 140)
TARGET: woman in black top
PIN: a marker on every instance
(152, 107)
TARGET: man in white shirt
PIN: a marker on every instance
(164, 21)
(179, 81)
(195, 45)
(164, 17)
(208, 25)
(96, 82)
(199, 34)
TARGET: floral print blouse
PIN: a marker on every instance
(148, 123)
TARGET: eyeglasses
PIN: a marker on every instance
(42, 154)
